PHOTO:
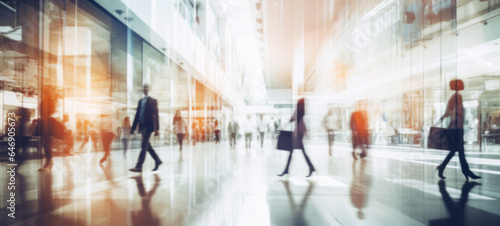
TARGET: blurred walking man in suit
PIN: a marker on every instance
(147, 118)
(233, 129)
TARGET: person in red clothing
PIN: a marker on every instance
(359, 128)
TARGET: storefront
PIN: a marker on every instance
(399, 56)
(95, 63)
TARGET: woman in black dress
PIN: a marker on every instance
(298, 134)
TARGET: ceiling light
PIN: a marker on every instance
(119, 12)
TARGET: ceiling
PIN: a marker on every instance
(244, 34)
(290, 26)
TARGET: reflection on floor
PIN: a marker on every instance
(211, 184)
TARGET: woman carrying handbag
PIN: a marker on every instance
(298, 134)
(455, 132)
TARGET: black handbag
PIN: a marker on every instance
(285, 140)
(438, 138)
(55, 128)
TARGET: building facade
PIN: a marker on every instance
(400, 55)
(96, 56)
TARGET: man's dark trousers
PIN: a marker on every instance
(146, 146)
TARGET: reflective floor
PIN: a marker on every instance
(211, 184)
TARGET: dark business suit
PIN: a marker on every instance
(148, 123)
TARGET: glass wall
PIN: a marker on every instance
(157, 74)
(96, 66)
(86, 73)
(400, 56)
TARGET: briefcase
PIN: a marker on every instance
(438, 139)
(285, 140)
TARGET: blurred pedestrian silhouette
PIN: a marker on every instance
(455, 131)
(272, 128)
(167, 134)
(330, 124)
(23, 135)
(195, 129)
(277, 127)
(180, 128)
(233, 129)
(146, 118)
(298, 134)
(68, 136)
(217, 131)
(456, 210)
(248, 128)
(89, 134)
(359, 187)
(145, 216)
(94, 133)
(49, 127)
(125, 134)
(262, 127)
(359, 129)
(107, 135)
(298, 211)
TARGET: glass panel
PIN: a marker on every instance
(156, 73)
(88, 77)
(477, 65)
(180, 98)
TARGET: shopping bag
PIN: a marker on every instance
(438, 139)
(285, 140)
(55, 128)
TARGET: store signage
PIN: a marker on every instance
(371, 28)
(283, 106)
